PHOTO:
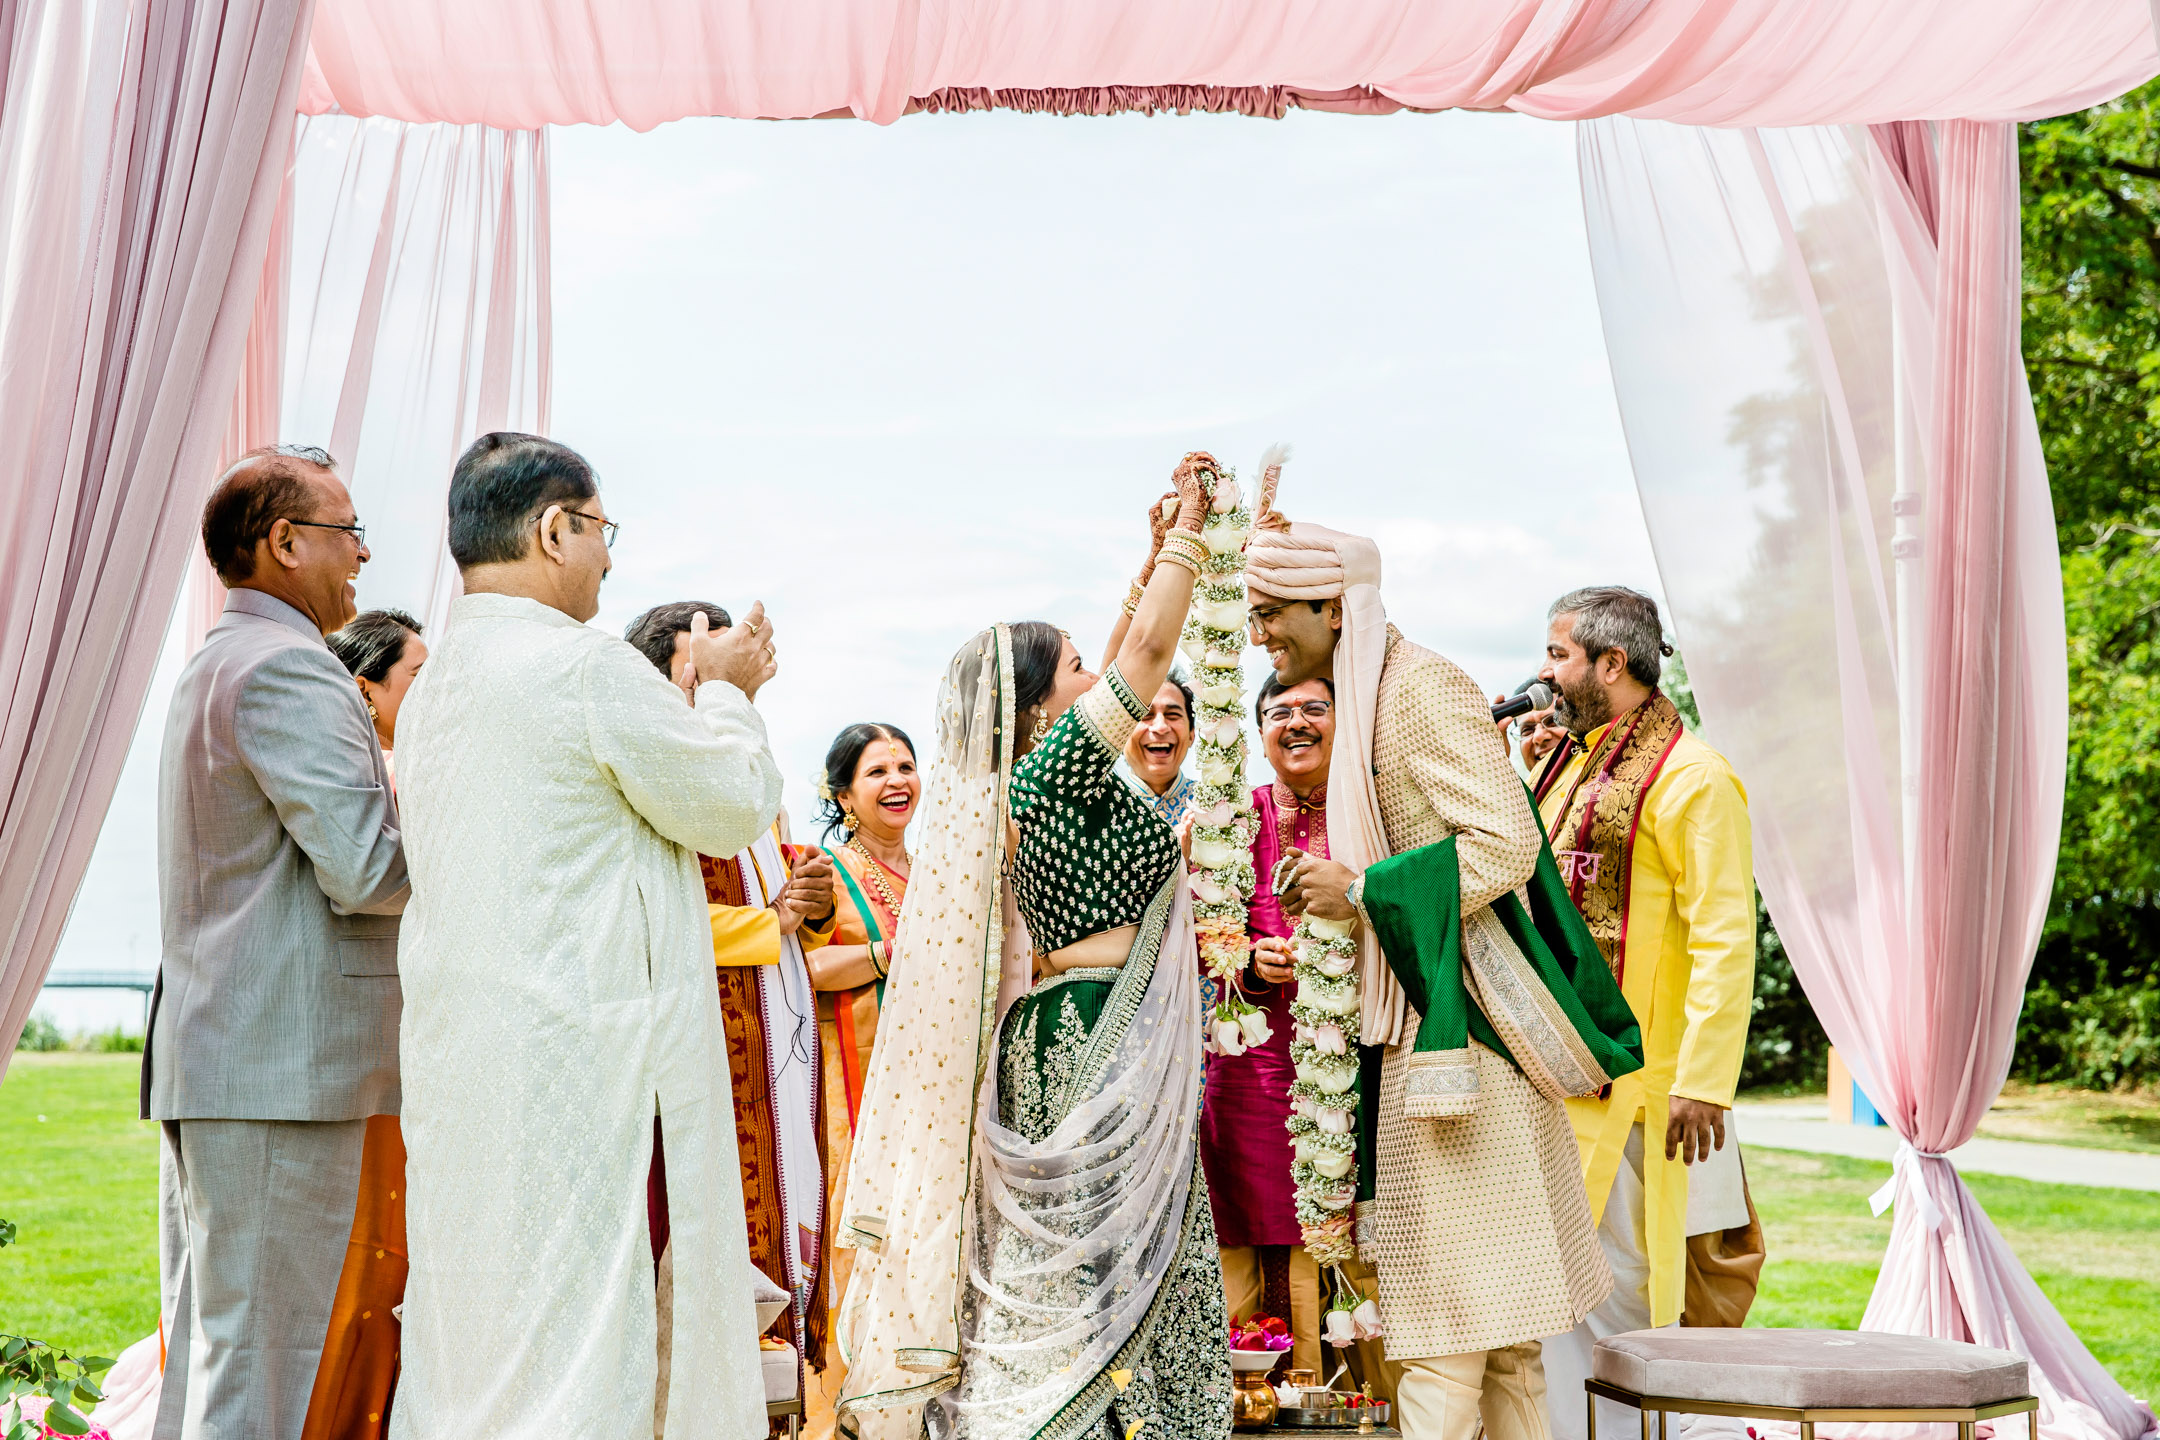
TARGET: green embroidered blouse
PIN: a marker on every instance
(1092, 852)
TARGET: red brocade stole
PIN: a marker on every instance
(757, 1133)
(1593, 837)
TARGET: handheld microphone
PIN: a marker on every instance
(1530, 695)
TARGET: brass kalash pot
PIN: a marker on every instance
(1252, 1398)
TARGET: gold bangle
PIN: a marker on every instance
(881, 964)
(1185, 549)
(1132, 596)
(1179, 559)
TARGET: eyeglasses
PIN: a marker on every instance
(1310, 709)
(608, 528)
(358, 532)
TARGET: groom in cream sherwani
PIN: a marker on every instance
(559, 1001)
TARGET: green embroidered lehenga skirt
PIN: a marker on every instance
(1178, 1359)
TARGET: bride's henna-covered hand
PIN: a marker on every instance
(1158, 525)
(1192, 498)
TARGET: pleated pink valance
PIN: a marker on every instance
(516, 64)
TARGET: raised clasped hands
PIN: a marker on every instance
(1318, 887)
(742, 654)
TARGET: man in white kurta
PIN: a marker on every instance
(559, 995)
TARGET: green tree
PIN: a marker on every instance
(2092, 352)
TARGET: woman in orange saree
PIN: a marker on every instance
(869, 792)
(357, 1377)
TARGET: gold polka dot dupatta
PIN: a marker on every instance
(909, 1177)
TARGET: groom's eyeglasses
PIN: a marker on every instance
(1310, 709)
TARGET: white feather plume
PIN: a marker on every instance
(1271, 463)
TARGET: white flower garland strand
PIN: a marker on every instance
(1324, 1097)
(1224, 823)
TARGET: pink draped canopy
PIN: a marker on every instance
(142, 229)
(522, 63)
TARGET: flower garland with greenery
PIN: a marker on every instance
(1324, 1096)
(1224, 822)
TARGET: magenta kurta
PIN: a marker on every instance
(1244, 1139)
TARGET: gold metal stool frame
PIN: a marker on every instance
(1965, 1417)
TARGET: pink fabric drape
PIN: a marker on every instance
(140, 151)
(524, 63)
(1802, 325)
(414, 317)
(417, 319)
(253, 422)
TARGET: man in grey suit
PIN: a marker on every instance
(274, 1028)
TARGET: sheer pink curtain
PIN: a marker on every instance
(140, 151)
(523, 63)
(1814, 338)
(253, 422)
(403, 311)
(417, 318)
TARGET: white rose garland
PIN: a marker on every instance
(1324, 1097)
(1224, 824)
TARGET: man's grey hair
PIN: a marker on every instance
(1613, 617)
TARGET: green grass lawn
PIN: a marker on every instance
(78, 1175)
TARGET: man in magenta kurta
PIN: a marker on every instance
(1244, 1142)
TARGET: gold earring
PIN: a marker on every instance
(1042, 727)
(848, 820)
(369, 701)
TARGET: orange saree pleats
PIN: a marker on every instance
(359, 1369)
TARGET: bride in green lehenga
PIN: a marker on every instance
(1038, 1253)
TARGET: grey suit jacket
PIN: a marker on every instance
(280, 880)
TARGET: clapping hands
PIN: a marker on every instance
(743, 655)
(808, 894)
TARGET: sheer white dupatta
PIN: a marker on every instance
(1072, 1237)
(909, 1176)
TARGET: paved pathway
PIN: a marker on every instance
(1785, 1127)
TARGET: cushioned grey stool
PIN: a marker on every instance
(1806, 1375)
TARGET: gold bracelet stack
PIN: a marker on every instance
(1132, 596)
(1183, 548)
(880, 958)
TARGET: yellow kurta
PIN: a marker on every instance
(1689, 974)
(750, 934)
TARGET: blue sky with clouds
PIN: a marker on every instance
(899, 382)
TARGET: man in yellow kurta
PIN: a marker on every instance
(1650, 829)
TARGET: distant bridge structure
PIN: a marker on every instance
(107, 980)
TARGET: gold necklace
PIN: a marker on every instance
(875, 873)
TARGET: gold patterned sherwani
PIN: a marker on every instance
(1483, 1231)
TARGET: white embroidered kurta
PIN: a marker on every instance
(559, 993)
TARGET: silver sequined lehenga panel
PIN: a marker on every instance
(1174, 1364)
